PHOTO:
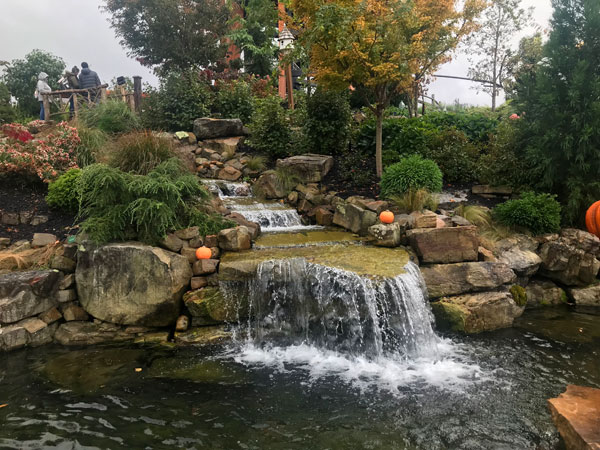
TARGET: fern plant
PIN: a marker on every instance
(116, 205)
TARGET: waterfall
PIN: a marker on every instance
(293, 302)
(272, 216)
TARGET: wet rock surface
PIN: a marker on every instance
(576, 414)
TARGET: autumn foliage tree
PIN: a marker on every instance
(380, 47)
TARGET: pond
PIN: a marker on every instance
(482, 392)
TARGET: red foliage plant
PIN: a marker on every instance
(43, 158)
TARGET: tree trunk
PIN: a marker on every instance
(379, 142)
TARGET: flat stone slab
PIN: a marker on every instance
(576, 414)
(305, 238)
(310, 168)
(371, 262)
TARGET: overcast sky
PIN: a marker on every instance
(78, 31)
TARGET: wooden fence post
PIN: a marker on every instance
(137, 93)
(75, 105)
(46, 102)
(103, 95)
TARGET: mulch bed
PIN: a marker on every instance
(17, 196)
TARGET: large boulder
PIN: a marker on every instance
(235, 239)
(26, 294)
(576, 414)
(444, 245)
(310, 168)
(541, 292)
(354, 218)
(474, 313)
(452, 279)
(571, 259)
(223, 145)
(207, 128)
(587, 296)
(269, 186)
(525, 263)
(132, 283)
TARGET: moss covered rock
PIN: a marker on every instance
(209, 306)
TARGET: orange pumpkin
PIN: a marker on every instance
(386, 217)
(203, 253)
(592, 219)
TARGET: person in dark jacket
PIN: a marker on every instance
(88, 79)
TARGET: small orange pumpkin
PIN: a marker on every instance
(203, 253)
(386, 217)
(592, 219)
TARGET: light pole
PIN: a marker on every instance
(286, 40)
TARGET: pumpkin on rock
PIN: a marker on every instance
(203, 253)
(386, 217)
(592, 219)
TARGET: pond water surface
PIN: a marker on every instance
(486, 392)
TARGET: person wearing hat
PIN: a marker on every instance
(42, 88)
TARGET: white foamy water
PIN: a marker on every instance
(449, 370)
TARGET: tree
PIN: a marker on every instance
(7, 111)
(522, 66)
(21, 77)
(561, 123)
(171, 34)
(490, 47)
(379, 47)
(253, 33)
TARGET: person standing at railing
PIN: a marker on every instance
(88, 79)
(70, 81)
(42, 88)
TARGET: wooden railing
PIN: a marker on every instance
(90, 97)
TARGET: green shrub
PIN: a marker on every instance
(476, 125)
(455, 155)
(327, 122)
(538, 213)
(93, 141)
(181, 98)
(140, 152)
(401, 137)
(111, 117)
(412, 172)
(62, 193)
(234, 100)
(116, 205)
(270, 130)
(501, 163)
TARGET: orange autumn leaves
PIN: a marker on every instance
(383, 45)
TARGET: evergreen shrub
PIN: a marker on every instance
(412, 172)
(538, 213)
(181, 98)
(117, 205)
(63, 193)
(270, 129)
(327, 122)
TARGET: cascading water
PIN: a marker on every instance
(333, 322)
(272, 217)
(295, 302)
